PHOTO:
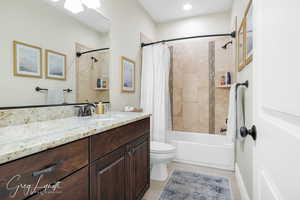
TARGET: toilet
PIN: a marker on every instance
(160, 155)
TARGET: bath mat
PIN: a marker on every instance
(194, 186)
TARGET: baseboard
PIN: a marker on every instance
(223, 167)
(241, 184)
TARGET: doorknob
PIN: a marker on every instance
(252, 132)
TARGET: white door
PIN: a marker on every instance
(277, 99)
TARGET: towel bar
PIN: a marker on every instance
(38, 89)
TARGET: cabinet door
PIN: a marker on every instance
(140, 167)
(108, 177)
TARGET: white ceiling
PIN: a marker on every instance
(167, 10)
(92, 18)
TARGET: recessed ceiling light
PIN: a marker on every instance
(93, 4)
(187, 6)
(74, 6)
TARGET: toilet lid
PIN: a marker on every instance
(158, 147)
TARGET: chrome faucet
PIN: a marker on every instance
(86, 110)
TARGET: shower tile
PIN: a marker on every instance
(190, 94)
(191, 80)
(178, 123)
(203, 97)
(222, 102)
(191, 116)
(177, 78)
(212, 99)
(204, 119)
(177, 102)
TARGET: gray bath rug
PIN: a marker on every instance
(193, 186)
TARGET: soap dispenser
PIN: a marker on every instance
(100, 109)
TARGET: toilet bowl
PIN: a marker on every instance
(160, 155)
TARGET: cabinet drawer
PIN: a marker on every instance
(43, 168)
(111, 140)
(74, 187)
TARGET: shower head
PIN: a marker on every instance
(95, 60)
(226, 45)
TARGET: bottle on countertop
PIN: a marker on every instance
(99, 83)
(104, 84)
(223, 80)
(100, 109)
(228, 75)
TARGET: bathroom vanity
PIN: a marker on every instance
(107, 159)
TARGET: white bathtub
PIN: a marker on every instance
(204, 149)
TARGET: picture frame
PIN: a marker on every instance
(27, 60)
(249, 34)
(241, 46)
(56, 65)
(128, 75)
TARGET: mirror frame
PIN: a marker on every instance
(40, 106)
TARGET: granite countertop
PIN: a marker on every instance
(23, 140)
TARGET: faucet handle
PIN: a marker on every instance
(80, 110)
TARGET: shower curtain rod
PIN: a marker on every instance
(78, 54)
(233, 34)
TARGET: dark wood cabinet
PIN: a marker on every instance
(123, 174)
(113, 165)
(108, 177)
(42, 169)
(138, 170)
(74, 187)
(111, 140)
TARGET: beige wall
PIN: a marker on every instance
(128, 20)
(201, 25)
(244, 150)
(37, 23)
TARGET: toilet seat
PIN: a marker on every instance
(161, 148)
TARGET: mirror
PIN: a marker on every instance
(51, 56)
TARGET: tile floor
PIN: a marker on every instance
(156, 187)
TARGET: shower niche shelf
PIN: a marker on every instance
(101, 89)
(224, 86)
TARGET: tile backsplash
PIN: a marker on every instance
(30, 115)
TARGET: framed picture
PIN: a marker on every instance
(241, 46)
(27, 60)
(128, 75)
(249, 33)
(56, 65)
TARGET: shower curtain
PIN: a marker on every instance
(155, 91)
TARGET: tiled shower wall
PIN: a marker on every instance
(197, 66)
(87, 74)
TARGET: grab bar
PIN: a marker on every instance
(238, 85)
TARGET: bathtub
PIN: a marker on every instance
(204, 149)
